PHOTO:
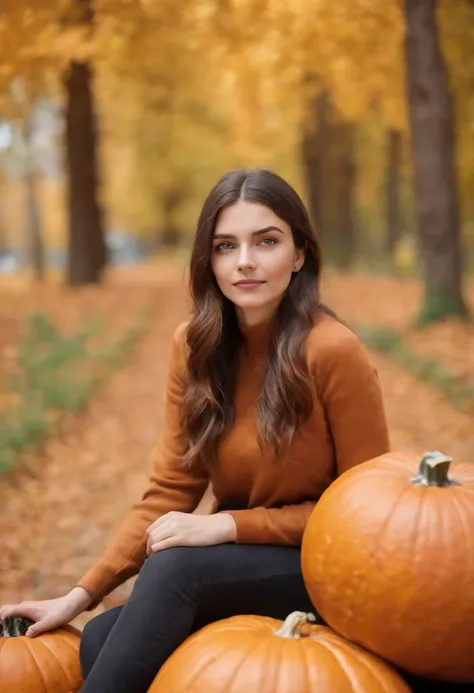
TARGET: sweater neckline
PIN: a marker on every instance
(257, 336)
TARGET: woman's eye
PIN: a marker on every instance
(223, 246)
(268, 241)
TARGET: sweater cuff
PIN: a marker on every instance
(249, 526)
(99, 581)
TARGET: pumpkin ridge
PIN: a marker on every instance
(418, 534)
(186, 645)
(242, 658)
(382, 534)
(205, 665)
(328, 646)
(29, 650)
(462, 523)
(241, 623)
(280, 654)
(59, 657)
(361, 658)
(307, 668)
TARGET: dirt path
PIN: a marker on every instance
(56, 524)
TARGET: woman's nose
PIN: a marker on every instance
(246, 260)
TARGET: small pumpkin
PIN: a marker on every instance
(265, 655)
(388, 561)
(48, 662)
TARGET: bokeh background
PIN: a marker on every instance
(116, 118)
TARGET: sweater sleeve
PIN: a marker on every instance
(170, 487)
(272, 525)
(352, 399)
(349, 388)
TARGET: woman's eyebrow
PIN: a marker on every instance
(266, 229)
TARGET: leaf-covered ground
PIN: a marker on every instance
(59, 511)
(394, 303)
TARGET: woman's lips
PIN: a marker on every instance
(249, 284)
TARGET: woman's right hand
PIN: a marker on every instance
(49, 613)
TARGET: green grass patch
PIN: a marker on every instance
(428, 370)
(55, 374)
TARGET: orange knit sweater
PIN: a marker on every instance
(346, 427)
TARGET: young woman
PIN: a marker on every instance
(269, 397)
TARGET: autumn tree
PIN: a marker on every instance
(86, 242)
(34, 221)
(391, 189)
(436, 195)
(329, 161)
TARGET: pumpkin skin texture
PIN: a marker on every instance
(48, 662)
(265, 655)
(388, 562)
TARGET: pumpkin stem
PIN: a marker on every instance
(433, 470)
(292, 623)
(14, 626)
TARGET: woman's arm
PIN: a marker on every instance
(349, 388)
(352, 399)
(170, 487)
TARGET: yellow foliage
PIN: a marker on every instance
(185, 90)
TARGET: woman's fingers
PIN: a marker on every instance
(22, 609)
(165, 544)
(159, 534)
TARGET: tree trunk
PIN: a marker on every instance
(87, 255)
(3, 230)
(33, 213)
(35, 236)
(327, 150)
(341, 241)
(314, 139)
(436, 195)
(169, 235)
(392, 191)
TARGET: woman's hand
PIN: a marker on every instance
(50, 613)
(187, 529)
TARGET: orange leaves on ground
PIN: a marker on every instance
(385, 301)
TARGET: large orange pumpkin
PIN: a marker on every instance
(48, 662)
(388, 561)
(264, 655)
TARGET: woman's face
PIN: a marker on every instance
(253, 258)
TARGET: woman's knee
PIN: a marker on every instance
(93, 637)
(174, 565)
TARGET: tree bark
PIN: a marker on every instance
(33, 213)
(430, 111)
(342, 237)
(327, 149)
(3, 230)
(314, 139)
(169, 235)
(87, 255)
(392, 191)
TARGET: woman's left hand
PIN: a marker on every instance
(187, 529)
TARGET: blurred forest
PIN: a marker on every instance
(118, 115)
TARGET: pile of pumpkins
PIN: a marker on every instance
(388, 561)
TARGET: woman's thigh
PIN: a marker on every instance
(249, 579)
(227, 579)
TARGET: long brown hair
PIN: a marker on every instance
(213, 335)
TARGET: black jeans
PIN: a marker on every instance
(180, 590)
